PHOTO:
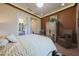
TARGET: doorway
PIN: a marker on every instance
(24, 25)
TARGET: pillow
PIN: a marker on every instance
(12, 38)
(3, 42)
(2, 36)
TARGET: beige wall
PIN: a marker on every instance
(35, 25)
(9, 19)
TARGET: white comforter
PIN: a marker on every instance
(37, 45)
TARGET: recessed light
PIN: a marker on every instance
(39, 4)
(62, 4)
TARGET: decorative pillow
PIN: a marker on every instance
(3, 42)
(2, 36)
(12, 38)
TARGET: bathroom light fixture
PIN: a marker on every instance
(39, 4)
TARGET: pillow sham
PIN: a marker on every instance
(3, 42)
(12, 38)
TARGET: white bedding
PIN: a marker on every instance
(37, 45)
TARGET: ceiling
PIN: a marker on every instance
(47, 9)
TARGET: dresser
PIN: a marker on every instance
(66, 39)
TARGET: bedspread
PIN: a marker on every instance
(13, 49)
(37, 45)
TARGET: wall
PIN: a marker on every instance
(43, 23)
(9, 19)
(67, 19)
(35, 25)
(77, 22)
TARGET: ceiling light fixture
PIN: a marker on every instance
(40, 5)
(62, 4)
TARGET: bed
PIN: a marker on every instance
(12, 49)
(29, 45)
